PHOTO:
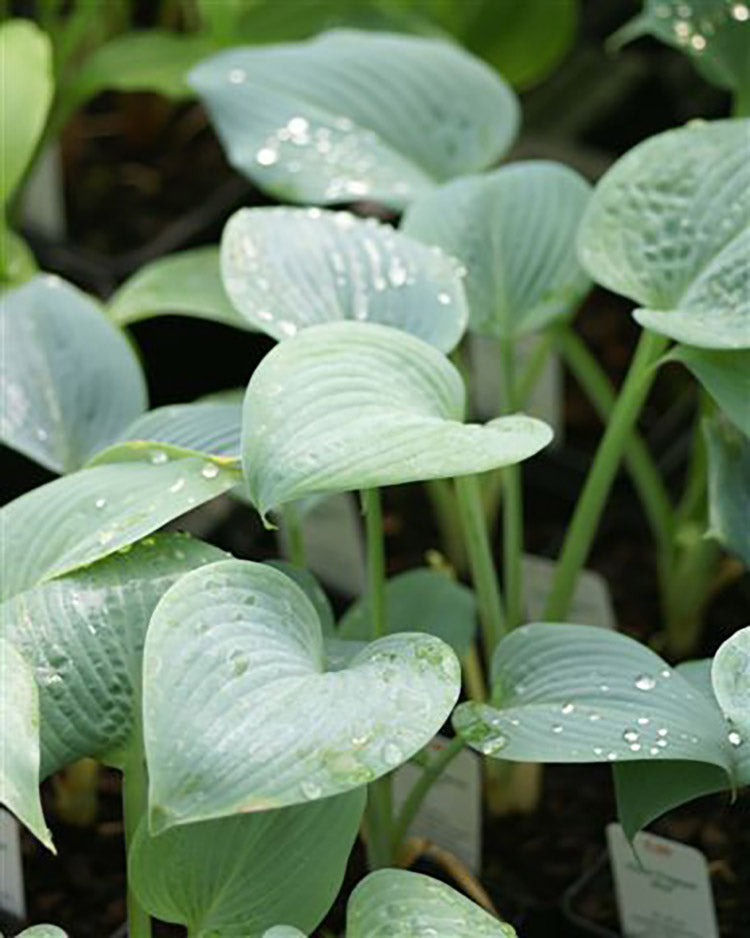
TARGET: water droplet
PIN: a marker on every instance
(41, 434)
(653, 751)
(635, 747)
(444, 298)
(594, 717)
(159, 457)
(288, 328)
(740, 12)
(662, 731)
(604, 688)
(236, 76)
(266, 156)
(311, 790)
(392, 755)
(612, 756)
(734, 738)
(298, 126)
(176, 486)
(100, 502)
(598, 751)
(493, 744)
(360, 740)
(698, 42)
(210, 470)
(557, 728)
(630, 736)
(643, 721)
(645, 682)
(568, 708)
(661, 743)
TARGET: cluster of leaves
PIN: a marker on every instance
(257, 722)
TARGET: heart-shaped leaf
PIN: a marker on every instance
(240, 715)
(183, 284)
(646, 790)
(728, 487)
(89, 514)
(357, 405)
(210, 427)
(419, 601)
(351, 114)
(61, 402)
(233, 877)
(730, 676)
(712, 32)
(726, 377)
(577, 693)
(397, 902)
(83, 634)
(314, 592)
(286, 269)
(514, 230)
(669, 227)
(27, 69)
(19, 742)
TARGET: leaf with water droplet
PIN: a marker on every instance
(215, 876)
(281, 732)
(669, 226)
(83, 634)
(59, 527)
(304, 124)
(514, 231)
(730, 676)
(539, 670)
(287, 268)
(19, 742)
(713, 33)
(401, 904)
(61, 402)
(345, 389)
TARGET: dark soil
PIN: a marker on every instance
(144, 179)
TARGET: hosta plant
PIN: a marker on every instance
(256, 736)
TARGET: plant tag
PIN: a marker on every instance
(591, 604)
(11, 869)
(667, 895)
(546, 398)
(450, 815)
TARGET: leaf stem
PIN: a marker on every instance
(480, 560)
(646, 477)
(430, 774)
(134, 803)
(375, 559)
(588, 511)
(512, 502)
(443, 500)
(295, 538)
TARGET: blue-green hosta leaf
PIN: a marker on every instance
(576, 693)
(240, 714)
(313, 590)
(714, 33)
(184, 284)
(89, 514)
(210, 427)
(400, 904)
(726, 377)
(420, 601)
(729, 487)
(646, 790)
(286, 269)
(83, 634)
(284, 931)
(235, 876)
(70, 380)
(669, 227)
(19, 742)
(350, 405)
(29, 83)
(354, 114)
(730, 676)
(514, 230)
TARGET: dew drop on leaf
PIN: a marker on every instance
(645, 682)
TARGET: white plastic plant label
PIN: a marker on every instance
(546, 398)
(451, 814)
(665, 895)
(591, 604)
(11, 870)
